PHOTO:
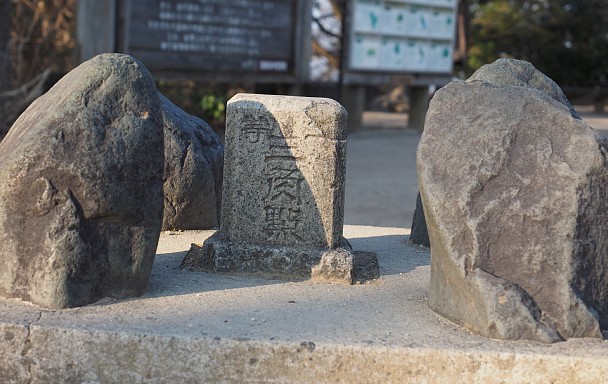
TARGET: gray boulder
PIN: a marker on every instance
(194, 158)
(81, 187)
(514, 187)
(419, 234)
(518, 73)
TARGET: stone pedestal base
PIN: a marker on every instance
(323, 265)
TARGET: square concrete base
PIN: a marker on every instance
(321, 265)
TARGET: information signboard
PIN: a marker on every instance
(407, 36)
(253, 39)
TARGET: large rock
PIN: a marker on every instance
(514, 187)
(194, 158)
(419, 235)
(81, 187)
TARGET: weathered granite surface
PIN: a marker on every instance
(515, 207)
(81, 187)
(283, 196)
(194, 158)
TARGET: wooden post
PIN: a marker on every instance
(303, 38)
(419, 103)
(353, 100)
(5, 38)
(96, 27)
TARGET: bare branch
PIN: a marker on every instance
(317, 49)
(324, 29)
(336, 6)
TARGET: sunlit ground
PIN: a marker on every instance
(381, 184)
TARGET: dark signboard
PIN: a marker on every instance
(239, 38)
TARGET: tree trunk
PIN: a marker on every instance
(462, 32)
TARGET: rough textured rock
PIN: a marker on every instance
(283, 196)
(334, 266)
(518, 73)
(81, 187)
(419, 234)
(285, 174)
(194, 157)
(515, 208)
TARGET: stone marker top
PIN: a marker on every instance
(519, 73)
(284, 171)
(326, 117)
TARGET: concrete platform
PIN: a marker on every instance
(198, 327)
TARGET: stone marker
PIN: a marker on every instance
(515, 206)
(81, 187)
(283, 196)
(194, 157)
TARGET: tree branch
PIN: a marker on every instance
(324, 29)
(334, 61)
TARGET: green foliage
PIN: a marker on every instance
(214, 107)
(205, 100)
(566, 39)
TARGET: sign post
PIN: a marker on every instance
(405, 39)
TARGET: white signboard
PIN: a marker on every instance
(393, 20)
(402, 35)
(441, 24)
(441, 57)
(417, 21)
(418, 55)
(392, 54)
(369, 16)
(366, 52)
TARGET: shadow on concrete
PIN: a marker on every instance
(389, 249)
(168, 280)
(394, 252)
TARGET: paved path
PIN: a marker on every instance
(381, 184)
